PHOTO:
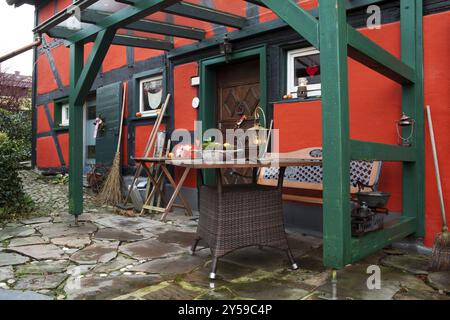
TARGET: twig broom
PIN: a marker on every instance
(112, 189)
(440, 260)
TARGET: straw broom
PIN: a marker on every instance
(112, 189)
(440, 259)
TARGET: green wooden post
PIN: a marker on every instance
(81, 79)
(75, 133)
(412, 100)
(335, 120)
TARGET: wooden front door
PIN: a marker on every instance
(238, 94)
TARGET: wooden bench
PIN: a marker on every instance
(305, 183)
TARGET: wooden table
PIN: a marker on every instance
(157, 180)
(233, 217)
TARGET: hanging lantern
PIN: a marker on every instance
(226, 48)
(258, 135)
(405, 126)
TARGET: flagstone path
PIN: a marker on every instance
(108, 256)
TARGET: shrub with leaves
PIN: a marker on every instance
(12, 198)
(17, 125)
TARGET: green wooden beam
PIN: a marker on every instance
(350, 4)
(151, 26)
(75, 133)
(140, 42)
(198, 12)
(367, 52)
(119, 40)
(297, 18)
(93, 64)
(375, 241)
(203, 13)
(363, 150)
(413, 105)
(335, 140)
(123, 17)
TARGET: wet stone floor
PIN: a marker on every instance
(109, 256)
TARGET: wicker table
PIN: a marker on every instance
(238, 216)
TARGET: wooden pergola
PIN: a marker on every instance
(326, 28)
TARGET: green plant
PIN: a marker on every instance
(17, 125)
(12, 198)
(60, 179)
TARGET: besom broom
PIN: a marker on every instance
(440, 259)
(112, 189)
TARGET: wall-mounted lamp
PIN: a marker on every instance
(403, 125)
(226, 47)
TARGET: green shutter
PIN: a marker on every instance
(109, 101)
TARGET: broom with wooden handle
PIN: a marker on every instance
(440, 260)
(112, 189)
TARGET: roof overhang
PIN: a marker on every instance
(18, 3)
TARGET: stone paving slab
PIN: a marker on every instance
(170, 292)
(40, 282)
(37, 220)
(269, 289)
(22, 295)
(12, 259)
(18, 242)
(170, 266)
(413, 294)
(6, 273)
(100, 288)
(118, 235)
(222, 293)
(43, 267)
(96, 253)
(118, 263)
(183, 238)
(16, 231)
(127, 223)
(74, 241)
(412, 263)
(57, 230)
(440, 280)
(40, 251)
(352, 284)
(226, 272)
(150, 249)
(268, 259)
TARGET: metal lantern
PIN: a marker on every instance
(226, 47)
(260, 130)
(404, 125)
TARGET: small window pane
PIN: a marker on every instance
(151, 94)
(307, 67)
(65, 114)
(304, 64)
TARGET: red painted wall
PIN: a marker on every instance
(437, 95)
(46, 155)
(185, 115)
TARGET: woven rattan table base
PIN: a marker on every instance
(241, 216)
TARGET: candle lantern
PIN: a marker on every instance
(405, 130)
(258, 134)
(226, 48)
